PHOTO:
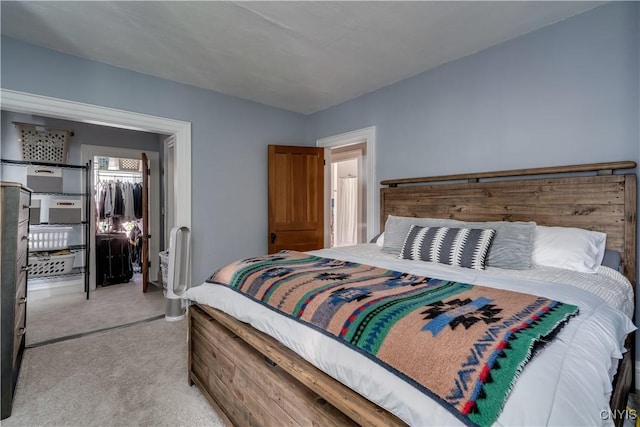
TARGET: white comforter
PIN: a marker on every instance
(568, 382)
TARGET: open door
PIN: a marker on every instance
(296, 195)
(144, 257)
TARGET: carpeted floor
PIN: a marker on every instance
(108, 306)
(133, 376)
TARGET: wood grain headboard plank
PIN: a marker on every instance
(601, 168)
(605, 203)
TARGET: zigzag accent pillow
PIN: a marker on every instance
(461, 247)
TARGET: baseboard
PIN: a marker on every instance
(44, 288)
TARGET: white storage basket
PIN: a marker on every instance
(63, 211)
(44, 144)
(44, 179)
(49, 238)
(51, 265)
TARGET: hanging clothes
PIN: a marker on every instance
(129, 211)
(137, 200)
(101, 201)
(108, 202)
(118, 200)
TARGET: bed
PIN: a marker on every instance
(257, 368)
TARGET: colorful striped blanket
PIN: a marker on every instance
(461, 344)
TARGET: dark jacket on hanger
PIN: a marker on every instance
(118, 202)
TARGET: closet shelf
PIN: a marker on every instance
(66, 224)
(34, 163)
(59, 194)
(75, 272)
(44, 225)
(69, 247)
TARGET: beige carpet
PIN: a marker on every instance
(63, 315)
(133, 376)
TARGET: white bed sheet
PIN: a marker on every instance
(607, 283)
(567, 383)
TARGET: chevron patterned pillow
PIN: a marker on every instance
(461, 247)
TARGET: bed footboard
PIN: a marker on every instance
(251, 379)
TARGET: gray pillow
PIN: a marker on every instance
(511, 248)
(375, 238)
(613, 260)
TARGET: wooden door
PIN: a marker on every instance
(296, 196)
(144, 256)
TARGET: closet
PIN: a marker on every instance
(119, 201)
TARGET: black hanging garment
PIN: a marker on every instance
(103, 196)
(137, 200)
(118, 201)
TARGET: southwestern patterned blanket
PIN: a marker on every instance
(461, 344)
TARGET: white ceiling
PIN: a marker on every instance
(299, 56)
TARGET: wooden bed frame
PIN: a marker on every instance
(251, 379)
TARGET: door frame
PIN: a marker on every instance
(29, 103)
(368, 137)
(169, 187)
(88, 152)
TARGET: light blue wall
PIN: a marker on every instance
(229, 140)
(565, 94)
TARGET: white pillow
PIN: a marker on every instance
(380, 239)
(569, 248)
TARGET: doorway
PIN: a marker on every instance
(90, 152)
(83, 315)
(169, 183)
(348, 225)
(118, 205)
(359, 144)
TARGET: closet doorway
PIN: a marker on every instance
(120, 221)
(103, 224)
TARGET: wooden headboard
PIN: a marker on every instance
(596, 199)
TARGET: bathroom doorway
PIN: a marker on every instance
(347, 223)
(364, 142)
